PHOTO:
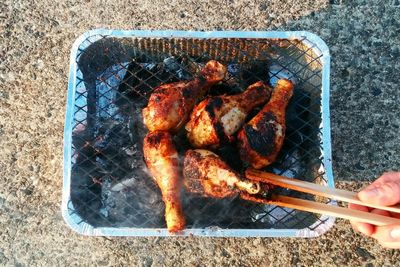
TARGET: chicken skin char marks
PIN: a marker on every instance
(215, 120)
(170, 104)
(206, 174)
(162, 161)
(261, 139)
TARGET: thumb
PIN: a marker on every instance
(387, 234)
(385, 194)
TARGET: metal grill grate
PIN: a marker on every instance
(109, 185)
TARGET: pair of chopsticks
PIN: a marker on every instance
(316, 207)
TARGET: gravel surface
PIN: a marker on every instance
(35, 42)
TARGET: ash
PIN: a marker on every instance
(110, 182)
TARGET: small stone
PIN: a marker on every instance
(103, 263)
(359, 167)
(2, 257)
(363, 253)
(383, 60)
(257, 241)
(147, 262)
(2, 202)
(263, 7)
(7, 77)
(40, 64)
(27, 191)
(225, 253)
(4, 95)
(395, 52)
(295, 259)
(376, 91)
(345, 73)
(34, 180)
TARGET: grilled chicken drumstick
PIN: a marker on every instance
(206, 174)
(261, 139)
(170, 104)
(162, 161)
(216, 119)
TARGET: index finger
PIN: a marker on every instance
(365, 228)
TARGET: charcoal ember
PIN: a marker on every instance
(117, 148)
(297, 110)
(290, 165)
(277, 72)
(230, 154)
(81, 140)
(297, 114)
(223, 89)
(132, 201)
(140, 79)
(203, 212)
(255, 71)
(189, 67)
(84, 193)
(111, 134)
(172, 64)
(271, 215)
(182, 69)
(234, 70)
(181, 142)
(232, 83)
(132, 85)
(106, 92)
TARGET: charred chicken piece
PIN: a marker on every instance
(206, 174)
(162, 161)
(261, 139)
(170, 104)
(215, 120)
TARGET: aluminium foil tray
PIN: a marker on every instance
(106, 190)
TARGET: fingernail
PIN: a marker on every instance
(395, 233)
(371, 192)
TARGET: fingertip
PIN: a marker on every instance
(385, 194)
(366, 229)
(368, 195)
(363, 228)
(387, 234)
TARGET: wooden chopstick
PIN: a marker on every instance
(312, 188)
(321, 208)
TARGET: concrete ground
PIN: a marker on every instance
(35, 42)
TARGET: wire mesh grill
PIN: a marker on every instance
(110, 186)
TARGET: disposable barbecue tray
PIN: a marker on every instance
(107, 189)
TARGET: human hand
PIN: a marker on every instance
(384, 191)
